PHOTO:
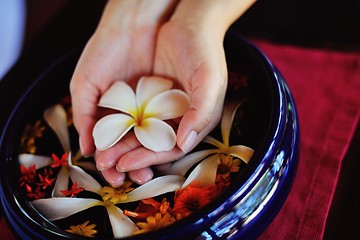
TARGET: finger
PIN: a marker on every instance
(113, 177)
(141, 176)
(207, 99)
(84, 102)
(141, 158)
(108, 158)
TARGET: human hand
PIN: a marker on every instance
(122, 48)
(189, 50)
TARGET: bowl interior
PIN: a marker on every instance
(251, 81)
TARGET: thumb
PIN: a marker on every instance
(207, 99)
(84, 102)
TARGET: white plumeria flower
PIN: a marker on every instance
(145, 110)
(61, 207)
(56, 118)
(205, 173)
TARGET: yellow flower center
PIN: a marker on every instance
(116, 195)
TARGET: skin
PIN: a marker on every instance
(180, 40)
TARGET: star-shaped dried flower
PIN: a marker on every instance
(116, 195)
(73, 191)
(84, 229)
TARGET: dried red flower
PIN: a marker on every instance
(59, 162)
(73, 191)
(37, 194)
(45, 180)
(28, 175)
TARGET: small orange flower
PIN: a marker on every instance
(227, 165)
(155, 222)
(191, 199)
(83, 229)
(30, 134)
(146, 208)
(116, 195)
(149, 207)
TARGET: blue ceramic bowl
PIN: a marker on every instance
(243, 211)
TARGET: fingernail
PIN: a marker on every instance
(189, 141)
(81, 144)
(85, 155)
(143, 179)
(100, 167)
(120, 168)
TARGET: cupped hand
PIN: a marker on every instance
(121, 49)
(188, 49)
(193, 56)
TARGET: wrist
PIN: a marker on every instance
(135, 14)
(215, 14)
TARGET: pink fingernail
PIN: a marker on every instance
(81, 146)
(189, 141)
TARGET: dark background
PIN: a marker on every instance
(59, 26)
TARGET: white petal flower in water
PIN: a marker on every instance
(61, 207)
(204, 173)
(145, 111)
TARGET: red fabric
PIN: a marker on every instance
(326, 88)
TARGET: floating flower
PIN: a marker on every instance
(27, 175)
(205, 173)
(56, 118)
(30, 134)
(45, 180)
(116, 195)
(61, 207)
(73, 191)
(191, 199)
(37, 194)
(60, 162)
(149, 207)
(84, 229)
(155, 222)
(227, 165)
(145, 110)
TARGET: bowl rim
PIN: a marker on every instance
(210, 210)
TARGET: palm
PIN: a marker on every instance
(196, 60)
(183, 56)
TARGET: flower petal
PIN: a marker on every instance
(168, 105)
(122, 226)
(110, 129)
(213, 141)
(148, 87)
(119, 96)
(27, 160)
(61, 183)
(241, 151)
(227, 121)
(84, 180)
(57, 119)
(182, 165)
(205, 173)
(62, 207)
(155, 187)
(155, 135)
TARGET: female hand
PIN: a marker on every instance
(122, 48)
(189, 49)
